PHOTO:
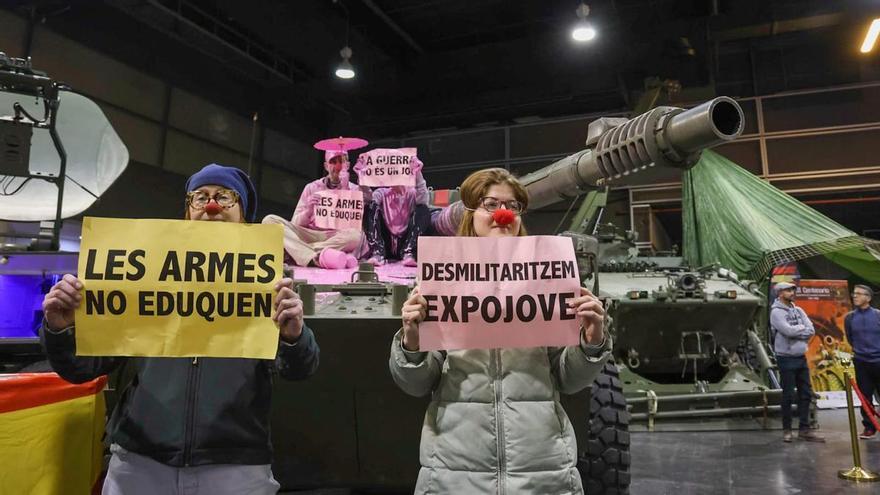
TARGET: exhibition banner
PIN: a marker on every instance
(178, 288)
(486, 292)
(826, 302)
(384, 167)
(339, 209)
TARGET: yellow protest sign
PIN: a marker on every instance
(178, 288)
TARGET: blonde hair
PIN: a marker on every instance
(475, 187)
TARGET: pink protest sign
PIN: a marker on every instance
(339, 209)
(384, 167)
(486, 293)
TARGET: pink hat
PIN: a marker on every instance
(334, 147)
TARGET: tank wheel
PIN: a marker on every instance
(604, 465)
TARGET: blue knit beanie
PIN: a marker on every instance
(229, 177)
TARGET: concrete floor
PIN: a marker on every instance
(740, 462)
(749, 462)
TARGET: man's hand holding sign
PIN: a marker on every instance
(151, 288)
(62, 301)
(288, 315)
(473, 296)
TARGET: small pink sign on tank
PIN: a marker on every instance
(385, 167)
(339, 209)
(486, 293)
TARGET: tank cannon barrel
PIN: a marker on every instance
(630, 152)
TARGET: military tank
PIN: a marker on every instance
(687, 339)
(687, 352)
(352, 427)
(689, 342)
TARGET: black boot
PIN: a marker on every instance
(373, 227)
(418, 224)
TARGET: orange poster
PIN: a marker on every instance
(826, 302)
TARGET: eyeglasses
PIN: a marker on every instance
(860, 294)
(224, 197)
(491, 204)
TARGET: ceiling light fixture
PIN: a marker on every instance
(345, 70)
(583, 31)
(871, 37)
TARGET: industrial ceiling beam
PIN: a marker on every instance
(394, 26)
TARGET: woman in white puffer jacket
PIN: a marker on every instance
(495, 424)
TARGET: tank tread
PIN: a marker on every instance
(605, 463)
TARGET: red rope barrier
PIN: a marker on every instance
(867, 406)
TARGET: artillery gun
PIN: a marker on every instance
(680, 333)
(663, 315)
(687, 340)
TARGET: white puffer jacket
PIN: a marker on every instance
(495, 424)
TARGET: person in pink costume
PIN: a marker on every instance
(305, 242)
(395, 219)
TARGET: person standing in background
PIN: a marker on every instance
(862, 326)
(791, 328)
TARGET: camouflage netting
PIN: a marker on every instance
(733, 217)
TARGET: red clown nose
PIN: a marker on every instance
(503, 216)
(212, 208)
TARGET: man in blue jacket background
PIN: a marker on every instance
(862, 326)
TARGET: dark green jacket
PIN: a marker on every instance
(190, 411)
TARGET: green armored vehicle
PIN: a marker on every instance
(687, 341)
(350, 426)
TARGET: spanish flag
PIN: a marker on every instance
(50, 434)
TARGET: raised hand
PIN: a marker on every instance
(61, 302)
(414, 310)
(288, 316)
(591, 314)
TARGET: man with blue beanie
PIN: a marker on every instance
(231, 178)
(791, 328)
(862, 326)
(190, 425)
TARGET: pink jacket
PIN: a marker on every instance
(304, 215)
(397, 203)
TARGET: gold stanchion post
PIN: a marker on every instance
(856, 473)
